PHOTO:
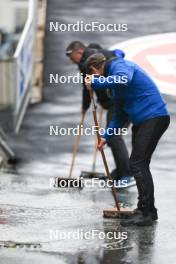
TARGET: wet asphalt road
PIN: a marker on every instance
(31, 210)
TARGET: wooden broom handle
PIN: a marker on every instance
(102, 151)
(76, 146)
(95, 147)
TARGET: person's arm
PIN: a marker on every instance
(101, 82)
(118, 120)
(119, 75)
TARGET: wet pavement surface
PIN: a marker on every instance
(33, 212)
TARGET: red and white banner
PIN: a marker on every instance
(156, 54)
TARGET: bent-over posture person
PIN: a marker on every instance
(78, 53)
(137, 98)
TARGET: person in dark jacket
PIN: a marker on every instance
(78, 53)
(137, 98)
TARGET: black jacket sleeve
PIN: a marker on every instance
(85, 98)
(101, 95)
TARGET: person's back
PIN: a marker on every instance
(142, 99)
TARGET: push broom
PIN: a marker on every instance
(76, 182)
(70, 182)
(117, 211)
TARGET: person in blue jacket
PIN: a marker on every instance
(138, 99)
(78, 52)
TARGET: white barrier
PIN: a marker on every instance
(23, 59)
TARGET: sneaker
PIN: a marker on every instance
(126, 182)
(138, 219)
(123, 181)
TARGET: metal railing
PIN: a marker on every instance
(16, 74)
(24, 65)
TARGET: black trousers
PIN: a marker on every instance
(119, 149)
(145, 138)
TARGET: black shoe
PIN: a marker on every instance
(138, 219)
(153, 213)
